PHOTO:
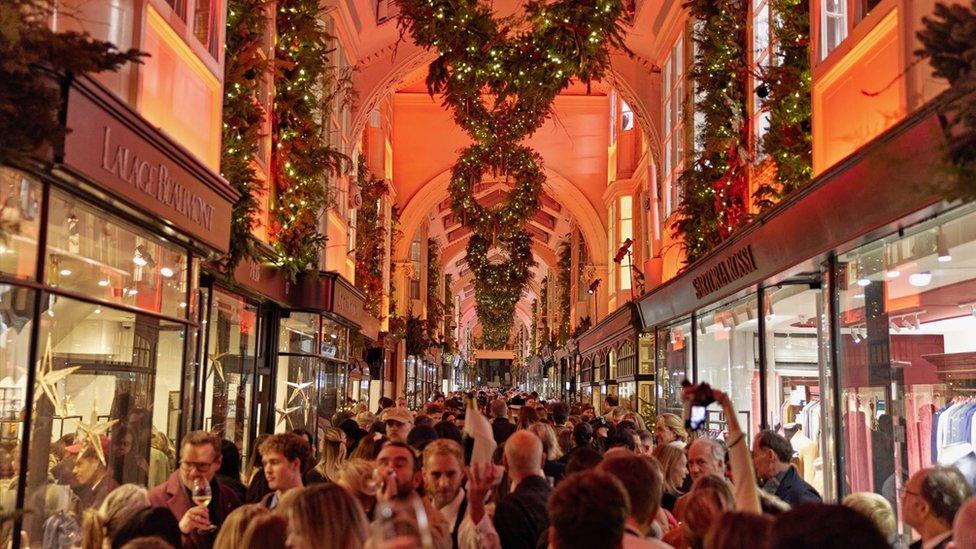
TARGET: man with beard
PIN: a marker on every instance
(444, 473)
(400, 476)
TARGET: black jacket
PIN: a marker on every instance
(942, 544)
(502, 428)
(794, 490)
(520, 517)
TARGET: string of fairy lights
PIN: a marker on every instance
(500, 78)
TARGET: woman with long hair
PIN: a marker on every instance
(99, 526)
(265, 531)
(711, 497)
(231, 534)
(527, 416)
(674, 464)
(324, 515)
(356, 476)
(669, 428)
(333, 453)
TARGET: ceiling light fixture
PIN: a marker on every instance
(65, 272)
(166, 272)
(104, 282)
(890, 266)
(920, 280)
(862, 279)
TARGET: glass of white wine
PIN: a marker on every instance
(202, 495)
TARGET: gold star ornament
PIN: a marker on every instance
(48, 378)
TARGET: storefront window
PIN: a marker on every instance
(231, 333)
(335, 340)
(907, 309)
(793, 385)
(645, 345)
(107, 408)
(727, 356)
(16, 309)
(298, 372)
(20, 221)
(93, 254)
(674, 364)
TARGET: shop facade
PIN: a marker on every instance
(620, 360)
(99, 273)
(843, 319)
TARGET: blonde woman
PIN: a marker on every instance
(674, 465)
(669, 428)
(100, 525)
(333, 452)
(356, 476)
(232, 530)
(346, 527)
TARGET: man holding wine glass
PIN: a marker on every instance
(192, 493)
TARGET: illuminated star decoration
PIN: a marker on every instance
(217, 365)
(93, 435)
(285, 414)
(299, 389)
(48, 377)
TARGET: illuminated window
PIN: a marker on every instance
(626, 231)
(415, 264)
(833, 25)
(626, 117)
(673, 117)
(611, 248)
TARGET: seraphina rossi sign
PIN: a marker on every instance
(731, 268)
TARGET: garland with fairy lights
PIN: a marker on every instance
(563, 267)
(435, 305)
(303, 159)
(714, 187)
(786, 84)
(521, 64)
(245, 68)
(949, 43)
(370, 237)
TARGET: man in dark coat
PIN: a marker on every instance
(501, 426)
(771, 455)
(200, 458)
(521, 516)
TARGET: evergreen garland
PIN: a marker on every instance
(303, 158)
(435, 305)
(370, 238)
(30, 54)
(450, 344)
(949, 43)
(245, 68)
(523, 71)
(535, 326)
(787, 81)
(714, 187)
(563, 265)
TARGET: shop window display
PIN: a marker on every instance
(230, 365)
(674, 364)
(94, 255)
(793, 385)
(20, 221)
(727, 355)
(907, 307)
(110, 380)
(16, 309)
(297, 375)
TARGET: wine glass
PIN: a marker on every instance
(202, 495)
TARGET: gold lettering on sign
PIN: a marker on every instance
(737, 265)
(154, 180)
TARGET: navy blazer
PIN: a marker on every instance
(794, 490)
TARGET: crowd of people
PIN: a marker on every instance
(501, 469)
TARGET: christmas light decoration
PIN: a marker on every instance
(714, 188)
(245, 69)
(520, 64)
(302, 158)
(370, 238)
(788, 140)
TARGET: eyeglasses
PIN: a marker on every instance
(201, 467)
(902, 491)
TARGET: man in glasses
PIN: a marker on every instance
(930, 501)
(199, 462)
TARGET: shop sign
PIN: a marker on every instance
(347, 304)
(731, 268)
(120, 152)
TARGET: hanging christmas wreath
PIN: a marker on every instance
(521, 64)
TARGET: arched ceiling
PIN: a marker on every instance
(574, 143)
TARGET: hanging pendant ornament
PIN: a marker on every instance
(501, 84)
